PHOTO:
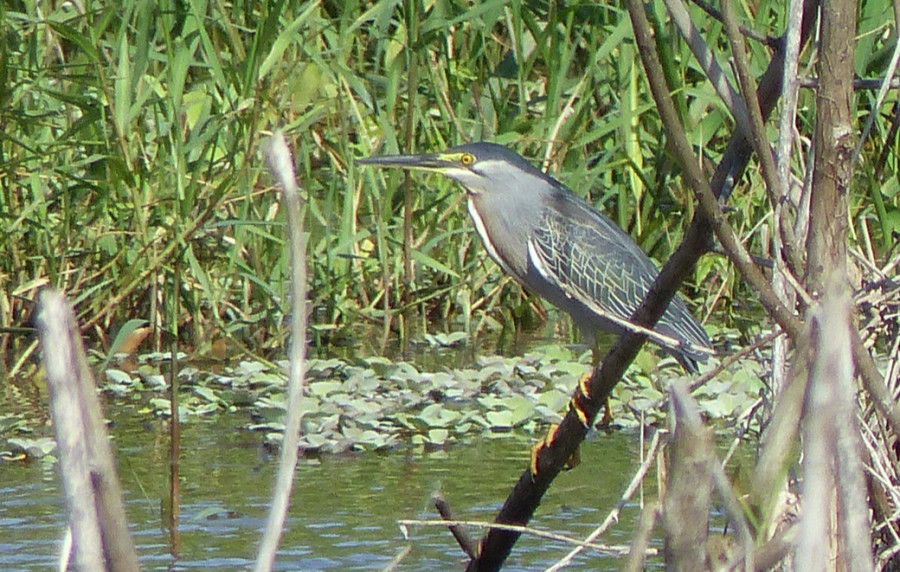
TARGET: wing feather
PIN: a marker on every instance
(596, 263)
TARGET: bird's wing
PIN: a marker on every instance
(590, 263)
(595, 262)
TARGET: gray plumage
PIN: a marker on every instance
(557, 245)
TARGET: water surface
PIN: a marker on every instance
(345, 508)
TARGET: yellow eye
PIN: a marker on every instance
(467, 159)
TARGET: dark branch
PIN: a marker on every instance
(528, 492)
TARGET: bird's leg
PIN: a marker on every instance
(571, 463)
(581, 394)
(595, 363)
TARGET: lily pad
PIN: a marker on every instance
(34, 448)
(436, 415)
(500, 420)
(438, 436)
(553, 400)
(313, 441)
(446, 340)
(521, 409)
(118, 376)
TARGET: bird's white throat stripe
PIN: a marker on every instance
(485, 237)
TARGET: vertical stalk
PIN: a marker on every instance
(834, 143)
(412, 24)
(281, 164)
(174, 508)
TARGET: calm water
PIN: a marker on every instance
(345, 509)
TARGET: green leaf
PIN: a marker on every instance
(126, 330)
(323, 388)
(287, 36)
(500, 419)
(438, 436)
(436, 415)
(423, 258)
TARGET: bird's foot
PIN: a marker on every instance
(607, 414)
(571, 462)
(584, 388)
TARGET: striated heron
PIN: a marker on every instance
(558, 246)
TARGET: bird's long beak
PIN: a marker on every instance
(426, 162)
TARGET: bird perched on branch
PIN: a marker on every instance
(557, 245)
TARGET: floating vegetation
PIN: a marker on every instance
(374, 404)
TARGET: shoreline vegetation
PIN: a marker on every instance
(131, 179)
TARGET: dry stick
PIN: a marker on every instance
(462, 536)
(774, 188)
(278, 157)
(69, 425)
(174, 457)
(732, 505)
(832, 466)
(786, 129)
(757, 133)
(790, 90)
(614, 514)
(853, 510)
(829, 531)
(689, 484)
(93, 495)
(529, 490)
(641, 539)
(608, 549)
(707, 61)
(395, 562)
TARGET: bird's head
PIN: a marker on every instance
(479, 167)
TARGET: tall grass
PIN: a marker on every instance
(130, 141)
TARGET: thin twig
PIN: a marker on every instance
(714, 72)
(774, 188)
(613, 516)
(606, 549)
(462, 536)
(752, 34)
(882, 92)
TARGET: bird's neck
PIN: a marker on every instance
(484, 232)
